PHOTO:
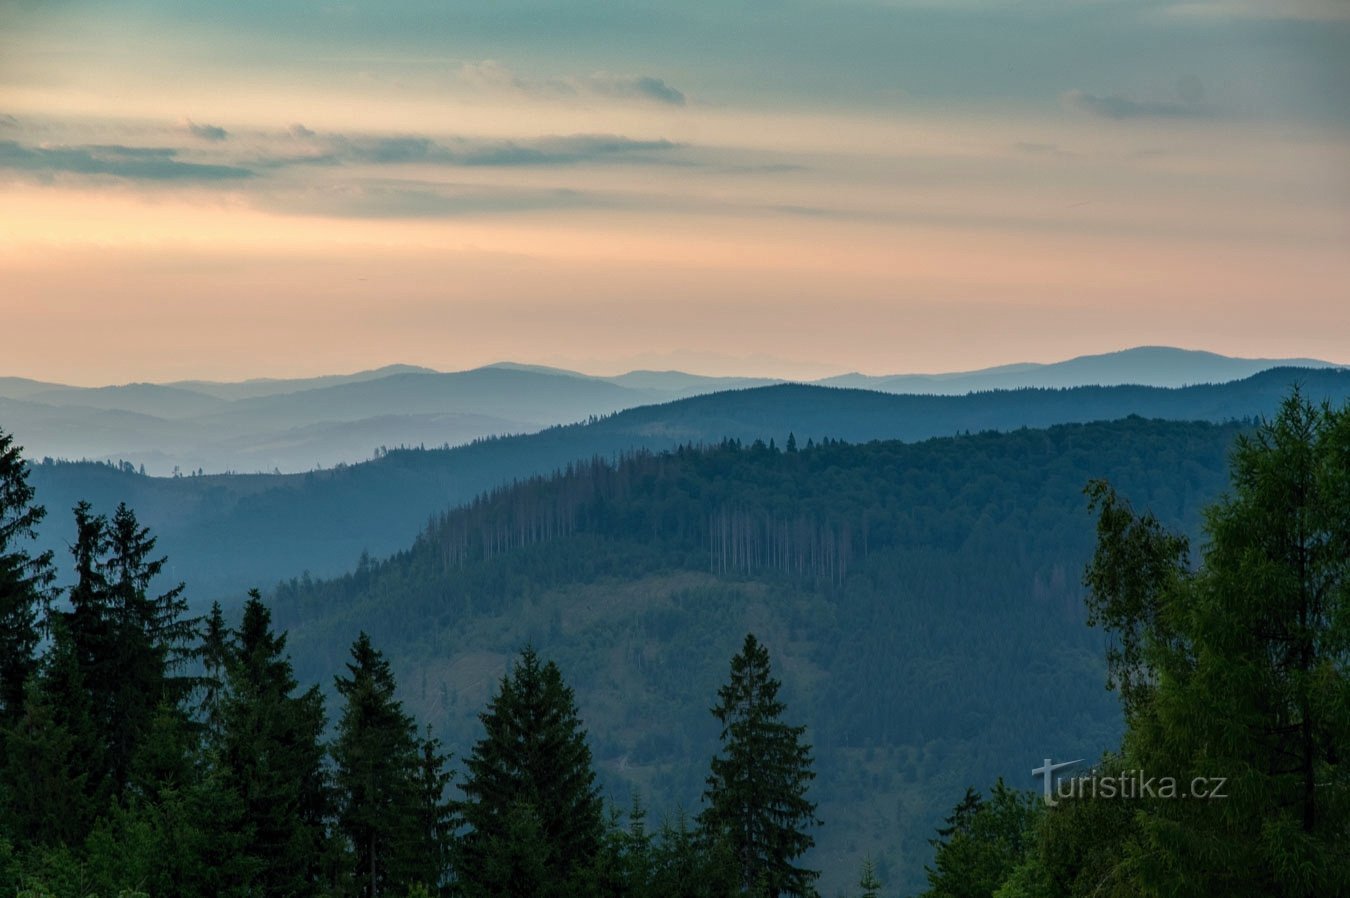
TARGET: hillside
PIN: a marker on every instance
(227, 533)
(296, 425)
(921, 601)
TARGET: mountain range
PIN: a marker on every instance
(230, 532)
(279, 425)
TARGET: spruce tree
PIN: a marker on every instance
(271, 760)
(867, 880)
(53, 757)
(25, 581)
(530, 775)
(386, 782)
(215, 654)
(126, 640)
(756, 792)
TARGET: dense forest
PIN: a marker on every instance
(144, 753)
(928, 637)
(226, 533)
(923, 598)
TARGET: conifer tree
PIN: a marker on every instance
(52, 757)
(433, 817)
(215, 654)
(983, 841)
(868, 883)
(25, 581)
(270, 757)
(385, 796)
(756, 792)
(530, 773)
(125, 640)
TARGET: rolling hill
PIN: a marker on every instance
(229, 532)
(920, 600)
(302, 424)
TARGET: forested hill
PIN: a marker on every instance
(227, 532)
(922, 600)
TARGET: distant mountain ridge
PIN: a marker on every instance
(308, 423)
(321, 521)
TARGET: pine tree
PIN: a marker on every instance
(270, 757)
(756, 792)
(386, 808)
(531, 770)
(868, 882)
(25, 581)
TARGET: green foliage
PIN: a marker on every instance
(917, 642)
(51, 796)
(270, 756)
(983, 841)
(25, 581)
(391, 808)
(868, 883)
(1244, 666)
(756, 795)
(529, 778)
(685, 864)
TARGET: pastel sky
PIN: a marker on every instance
(262, 188)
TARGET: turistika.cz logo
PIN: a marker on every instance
(1127, 784)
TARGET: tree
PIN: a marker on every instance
(125, 640)
(983, 841)
(756, 792)
(51, 752)
(433, 816)
(867, 880)
(530, 773)
(25, 580)
(389, 785)
(270, 757)
(215, 654)
(1239, 670)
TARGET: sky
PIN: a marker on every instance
(194, 189)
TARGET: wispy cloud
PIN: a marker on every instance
(643, 87)
(413, 200)
(133, 163)
(8, 122)
(490, 74)
(1115, 106)
(213, 133)
(571, 149)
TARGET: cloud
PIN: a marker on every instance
(1034, 148)
(643, 87)
(133, 163)
(8, 121)
(382, 200)
(213, 133)
(1114, 106)
(565, 150)
(549, 150)
(492, 75)
(299, 131)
